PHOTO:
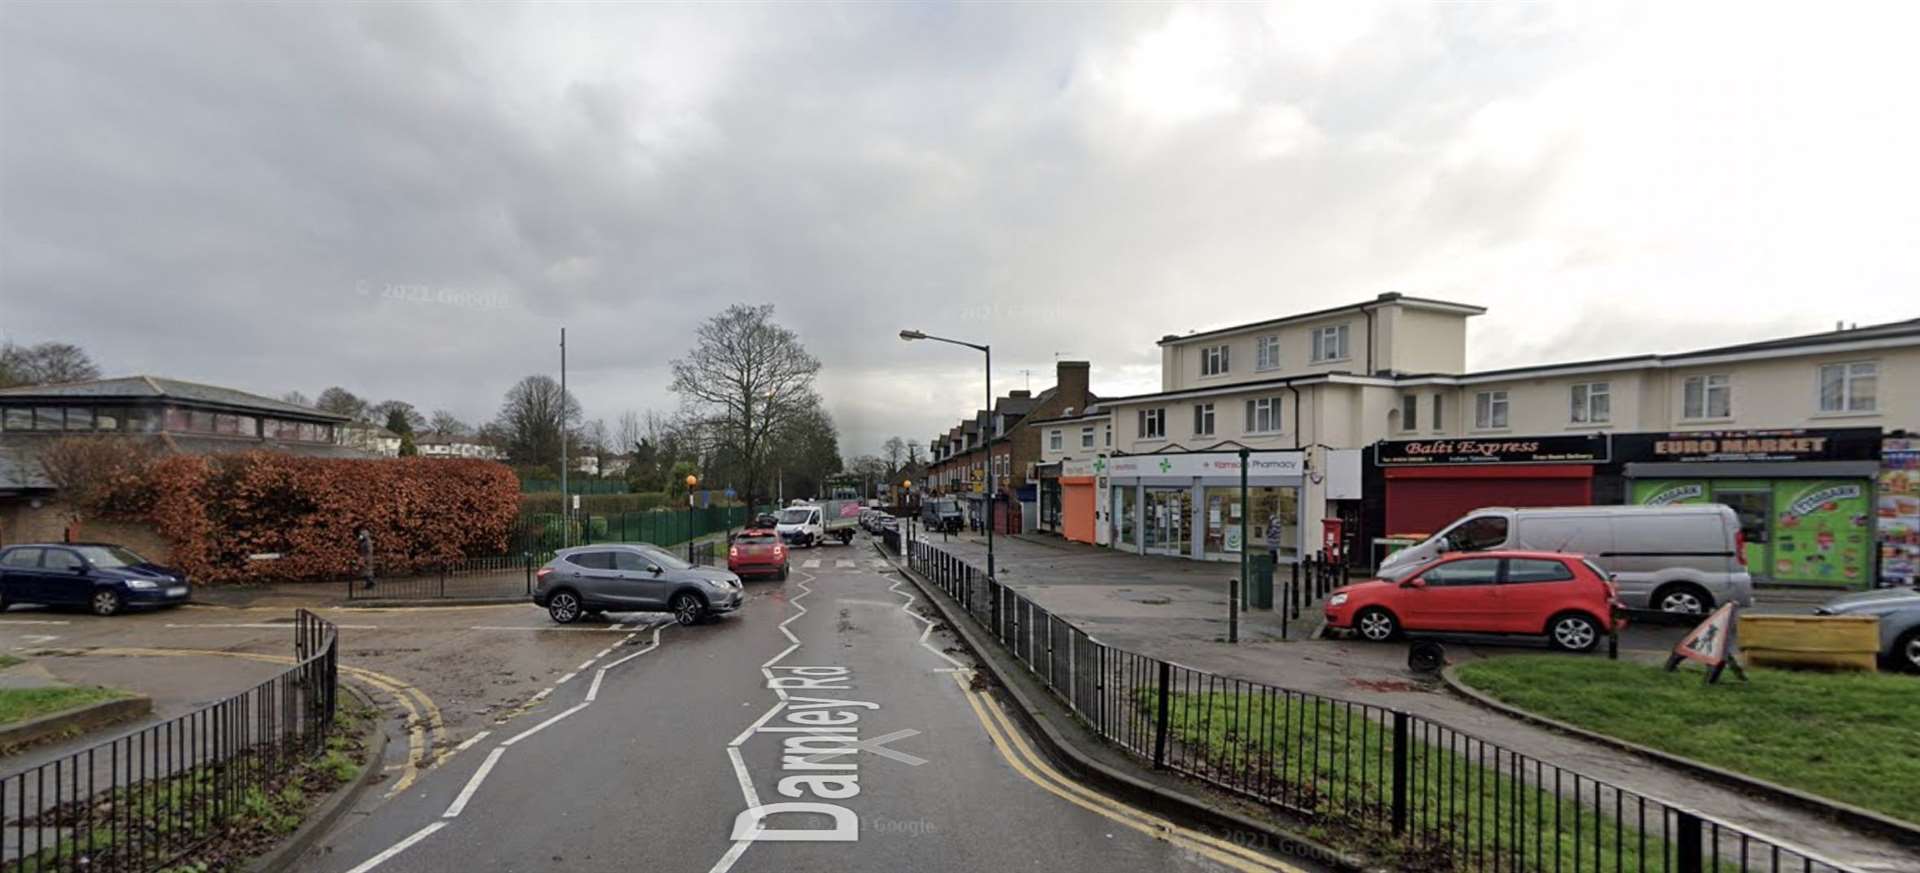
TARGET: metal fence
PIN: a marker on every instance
(496, 577)
(141, 801)
(1421, 794)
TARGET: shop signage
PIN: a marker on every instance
(1750, 445)
(1076, 468)
(1207, 464)
(1580, 449)
(1685, 492)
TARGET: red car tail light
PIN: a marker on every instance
(1740, 546)
(542, 572)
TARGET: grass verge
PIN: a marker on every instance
(20, 704)
(1847, 736)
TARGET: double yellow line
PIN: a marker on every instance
(1013, 747)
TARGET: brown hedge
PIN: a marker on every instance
(220, 510)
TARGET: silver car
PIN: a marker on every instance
(619, 577)
(1899, 613)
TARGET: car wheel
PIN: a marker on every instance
(783, 572)
(105, 602)
(687, 609)
(1683, 600)
(1573, 632)
(564, 607)
(1906, 651)
(1376, 625)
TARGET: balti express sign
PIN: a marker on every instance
(1581, 449)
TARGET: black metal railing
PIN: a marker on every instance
(1416, 792)
(490, 577)
(143, 800)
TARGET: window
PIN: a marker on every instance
(1592, 403)
(1153, 424)
(106, 419)
(49, 418)
(1053, 440)
(1472, 571)
(1477, 534)
(1263, 415)
(1266, 352)
(631, 562)
(1707, 396)
(226, 425)
(1849, 387)
(1490, 410)
(1409, 411)
(1438, 416)
(1213, 360)
(61, 560)
(1521, 571)
(1330, 343)
(1203, 419)
(18, 418)
(22, 558)
(1086, 437)
(79, 418)
(1107, 434)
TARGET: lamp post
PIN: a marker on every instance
(911, 335)
(906, 494)
(692, 480)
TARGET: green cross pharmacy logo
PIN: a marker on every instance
(1099, 465)
(1166, 465)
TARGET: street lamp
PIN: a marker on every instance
(911, 335)
(692, 480)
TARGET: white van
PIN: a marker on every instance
(1681, 559)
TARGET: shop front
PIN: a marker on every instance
(1807, 499)
(1430, 483)
(1076, 499)
(1047, 478)
(1190, 504)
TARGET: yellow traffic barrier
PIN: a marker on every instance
(1829, 642)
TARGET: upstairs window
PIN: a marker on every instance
(1438, 415)
(1203, 419)
(1053, 440)
(1153, 424)
(1592, 403)
(1330, 343)
(1086, 437)
(1409, 411)
(1267, 352)
(1849, 387)
(1490, 410)
(1708, 396)
(1263, 415)
(1213, 361)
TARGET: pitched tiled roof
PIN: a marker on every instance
(155, 387)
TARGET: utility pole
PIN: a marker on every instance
(566, 502)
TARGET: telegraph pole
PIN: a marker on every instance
(566, 503)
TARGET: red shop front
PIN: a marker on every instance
(1430, 483)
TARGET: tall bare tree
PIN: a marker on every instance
(340, 401)
(44, 364)
(296, 398)
(745, 380)
(895, 451)
(532, 417)
(446, 422)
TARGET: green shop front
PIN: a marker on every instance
(1805, 497)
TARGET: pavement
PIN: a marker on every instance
(1176, 610)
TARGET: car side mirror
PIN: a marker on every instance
(655, 570)
(1415, 582)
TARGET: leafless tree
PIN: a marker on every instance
(531, 419)
(94, 474)
(46, 363)
(745, 380)
(446, 422)
(296, 398)
(894, 450)
(340, 401)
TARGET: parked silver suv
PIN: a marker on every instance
(619, 577)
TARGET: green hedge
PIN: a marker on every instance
(594, 504)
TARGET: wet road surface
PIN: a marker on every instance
(825, 727)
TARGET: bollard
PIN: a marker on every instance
(1233, 610)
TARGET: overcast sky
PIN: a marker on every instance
(411, 199)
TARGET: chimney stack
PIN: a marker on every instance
(1070, 382)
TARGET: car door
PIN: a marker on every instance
(20, 573)
(1531, 591)
(594, 575)
(1457, 595)
(63, 578)
(642, 582)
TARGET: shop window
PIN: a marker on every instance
(1213, 361)
(1203, 419)
(1086, 437)
(1490, 410)
(1263, 415)
(1849, 387)
(1708, 396)
(1330, 343)
(1592, 403)
(1053, 440)
(1267, 352)
(1153, 424)
(1409, 411)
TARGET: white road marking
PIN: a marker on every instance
(907, 608)
(543, 725)
(732, 856)
(843, 562)
(565, 679)
(600, 630)
(540, 695)
(747, 791)
(264, 626)
(593, 691)
(459, 804)
(398, 847)
(30, 621)
(470, 741)
(757, 724)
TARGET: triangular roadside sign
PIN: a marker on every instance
(1710, 643)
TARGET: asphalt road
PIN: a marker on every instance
(825, 690)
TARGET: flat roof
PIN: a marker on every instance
(1388, 299)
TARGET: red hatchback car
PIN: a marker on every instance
(756, 551)
(1564, 597)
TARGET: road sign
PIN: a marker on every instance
(1711, 643)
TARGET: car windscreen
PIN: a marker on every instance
(665, 558)
(795, 516)
(758, 539)
(109, 556)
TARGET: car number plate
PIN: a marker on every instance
(177, 592)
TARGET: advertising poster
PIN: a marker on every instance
(1899, 511)
(1821, 531)
(1667, 492)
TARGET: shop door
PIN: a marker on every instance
(1752, 501)
(1166, 527)
(1124, 518)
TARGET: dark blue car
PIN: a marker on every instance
(101, 577)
